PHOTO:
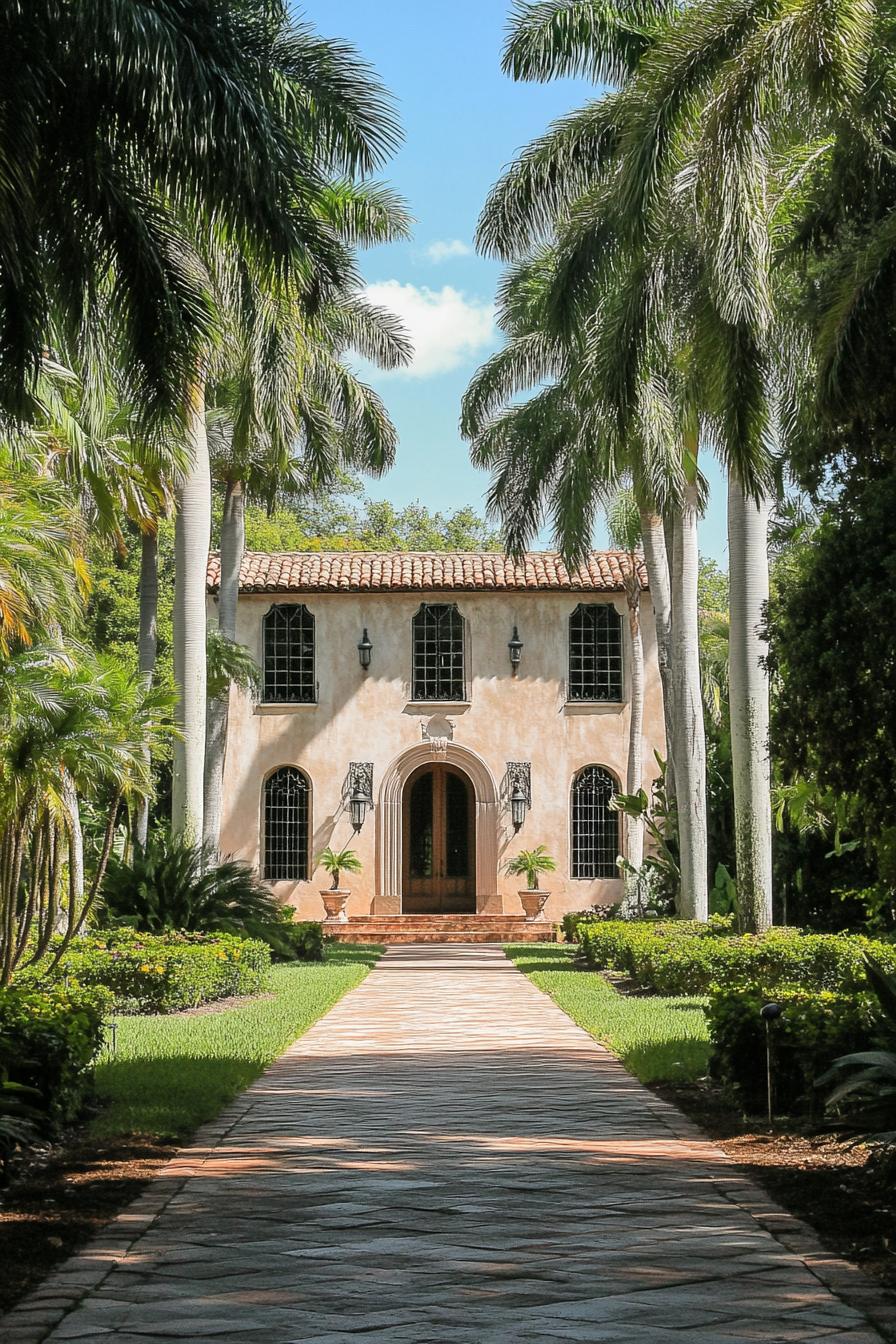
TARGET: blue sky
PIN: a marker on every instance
(463, 122)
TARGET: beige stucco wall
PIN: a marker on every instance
(370, 717)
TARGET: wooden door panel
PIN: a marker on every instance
(438, 839)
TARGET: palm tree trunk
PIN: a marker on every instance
(689, 735)
(191, 543)
(147, 648)
(657, 561)
(749, 702)
(233, 544)
(634, 826)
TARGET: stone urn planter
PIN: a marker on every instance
(533, 903)
(335, 900)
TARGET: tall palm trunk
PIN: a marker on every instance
(634, 826)
(147, 648)
(233, 544)
(657, 561)
(749, 701)
(689, 736)
(191, 543)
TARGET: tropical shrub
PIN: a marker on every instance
(595, 915)
(336, 861)
(167, 972)
(49, 1038)
(862, 1098)
(172, 885)
(629, 946)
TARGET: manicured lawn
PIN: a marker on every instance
(170, 1074)
(656, 1038)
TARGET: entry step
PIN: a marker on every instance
(392, 930)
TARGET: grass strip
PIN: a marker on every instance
(169, 1074)
(657, 1039)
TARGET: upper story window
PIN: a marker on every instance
(288, 639)
(286, 817)
(595, 653)
(438, 653)
(595, 826)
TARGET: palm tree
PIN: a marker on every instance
(289, 415)
(624, 522)
(64, 718)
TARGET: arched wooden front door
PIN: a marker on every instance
(438, 845)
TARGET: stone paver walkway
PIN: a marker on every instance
(446, 1157)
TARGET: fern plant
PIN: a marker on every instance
(862, 1099)
(531, 863)
(336, 861)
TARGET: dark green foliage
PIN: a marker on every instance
(292, 942)
(571, 922)
(862, 1099)
(49, 1038)
(167, 887)
(830, 625)
(165, 973)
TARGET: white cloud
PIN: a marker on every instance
(445, 250)
(446, 327)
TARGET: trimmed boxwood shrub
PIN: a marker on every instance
(49, 1038)
(303, 941)
(816, 1026)
(163, 973)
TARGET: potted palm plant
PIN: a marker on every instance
(335, 898)
(531, 863)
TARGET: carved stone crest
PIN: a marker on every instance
(438, 732)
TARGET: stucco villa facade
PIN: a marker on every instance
(436, 713)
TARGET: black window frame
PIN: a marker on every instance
(438, 654)
(292, 862)
(595, 831)
(596, 660)
(289, 672)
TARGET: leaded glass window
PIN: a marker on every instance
(438, 655)
(286, 822)
(289, 655)
(595, 653)
(595, 827)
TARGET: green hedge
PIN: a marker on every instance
(818, 978)
(303, 941)
(815, 1027)
(49, 1038)
(163, 973)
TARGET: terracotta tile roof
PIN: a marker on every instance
(422, 571)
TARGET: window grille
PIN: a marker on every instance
(595, 653)
(286, 798)
(595, 827)
(438, 654)
(289, 655)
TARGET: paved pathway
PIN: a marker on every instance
(446, 1157)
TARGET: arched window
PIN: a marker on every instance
(595, 653)
(438, 653)
(595, 827)
(289, 655)
(286, 824)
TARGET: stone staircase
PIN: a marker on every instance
(392, 930)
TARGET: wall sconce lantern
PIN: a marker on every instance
(365, 648)
(517, 807)
(515, 645)
(360, 792)
(519, 786)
